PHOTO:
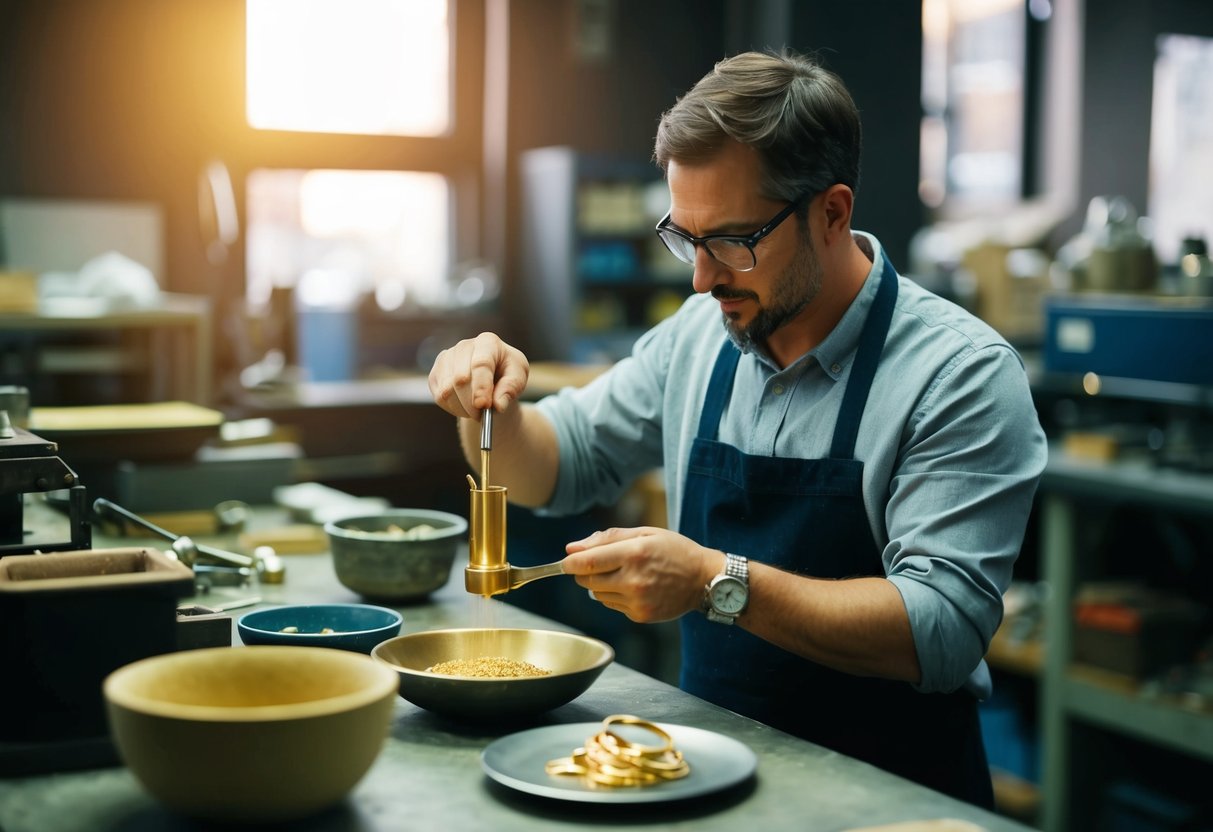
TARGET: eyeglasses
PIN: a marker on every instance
(732, 251)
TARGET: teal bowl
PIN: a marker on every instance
(356, 627)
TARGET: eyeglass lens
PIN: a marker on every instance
(734, 254)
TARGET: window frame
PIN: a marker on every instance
(457, 154)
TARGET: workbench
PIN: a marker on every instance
(428, 775)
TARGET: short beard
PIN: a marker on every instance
(792, 291)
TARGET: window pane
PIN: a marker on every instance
(378, 67)
(336, 236)
(973, 98)
(1181, 144)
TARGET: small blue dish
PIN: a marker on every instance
(356, 627)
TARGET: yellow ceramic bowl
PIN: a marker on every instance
(250, 733)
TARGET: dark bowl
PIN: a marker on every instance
(575, 662)
(377, 557)
(357, 627)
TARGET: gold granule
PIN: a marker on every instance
(494, 667)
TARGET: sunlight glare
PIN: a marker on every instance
(379, 67)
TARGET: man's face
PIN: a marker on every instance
(789, 292)
(720, 196)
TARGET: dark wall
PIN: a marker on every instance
(608, 108)
(660, 49)
(124, 99)
(879, 57)
(663, 48)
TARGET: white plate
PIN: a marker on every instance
(518, 760)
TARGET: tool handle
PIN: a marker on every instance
(224, 556)
(103, 507)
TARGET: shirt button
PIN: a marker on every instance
(835, 368)
(777, 389)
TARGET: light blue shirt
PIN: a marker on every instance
(950, 441)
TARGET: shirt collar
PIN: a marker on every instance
(838, 348)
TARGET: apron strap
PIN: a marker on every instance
(719, 388)
(867, 357)
(871, 344)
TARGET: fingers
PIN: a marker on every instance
(646, 573)
(605, 537)
(603, 551)
(487, 355)
(476, 374)
(513, 371)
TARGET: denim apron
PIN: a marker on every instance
(807, 516)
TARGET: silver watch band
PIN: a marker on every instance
(737, 566)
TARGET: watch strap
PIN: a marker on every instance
(738, 567)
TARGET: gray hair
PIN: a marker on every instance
(795, 113)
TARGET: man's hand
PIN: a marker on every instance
(476, 374)
(647, 574)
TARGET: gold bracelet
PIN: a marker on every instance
(608, 759)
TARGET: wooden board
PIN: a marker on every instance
(156, 416)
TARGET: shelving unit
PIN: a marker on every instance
(1113, 702)
(595, 274)
(162, 353)
(1076, 698)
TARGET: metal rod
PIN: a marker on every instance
(486, 430)
(103, 506)
(486, 445)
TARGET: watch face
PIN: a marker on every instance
(729, 596)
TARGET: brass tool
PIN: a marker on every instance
(488, 573)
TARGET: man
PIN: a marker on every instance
(849, 461)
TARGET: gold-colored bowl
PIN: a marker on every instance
(575, 662)
(250, 734)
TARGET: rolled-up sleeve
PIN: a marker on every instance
(958, 504)
(610, 431)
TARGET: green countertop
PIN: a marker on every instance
(428, 775)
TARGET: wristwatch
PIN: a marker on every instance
(727, 595)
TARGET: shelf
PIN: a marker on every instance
(1015, 797)
(174, 355)
(1115, 387)
(1073, 694)
(1134, 481)
(587, 235)
(1023, 657)
(1112, 701)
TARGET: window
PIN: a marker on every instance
(377, 148)
(1181, 144)
(378, 67)
(336, 235)
(973, 94)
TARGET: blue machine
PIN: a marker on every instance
(1166, 339)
